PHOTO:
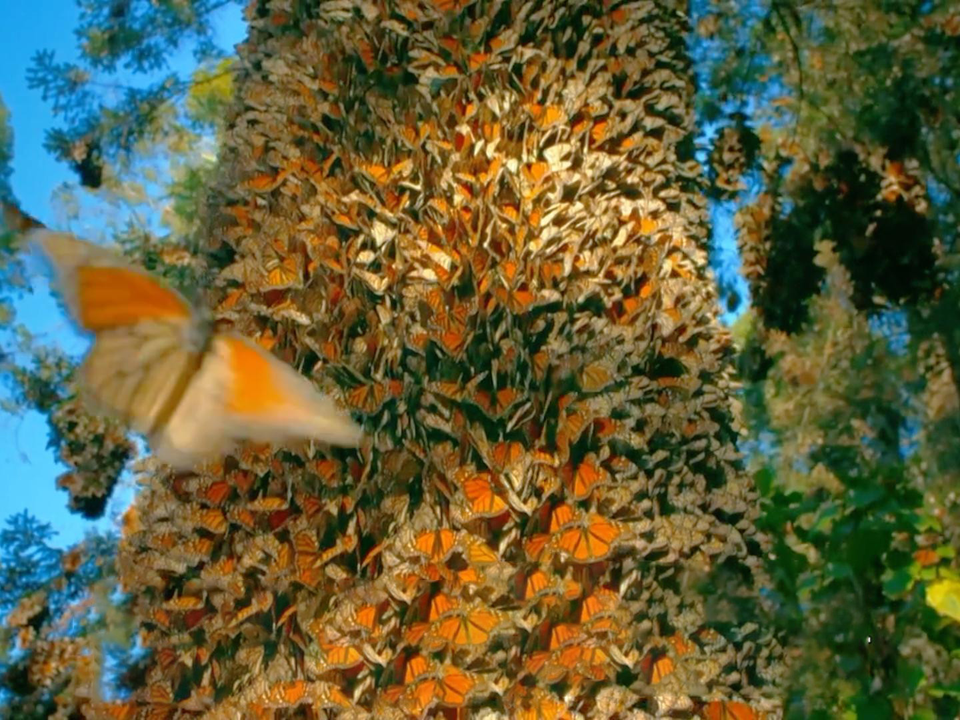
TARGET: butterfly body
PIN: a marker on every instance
(156, 366)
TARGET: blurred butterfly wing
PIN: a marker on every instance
(139, 374)
(196, 427)
(104, 293)
(267, 400)
(242, 392)
(148, 343)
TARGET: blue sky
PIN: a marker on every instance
(27, 468)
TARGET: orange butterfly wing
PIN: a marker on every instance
(253, 390)
(455, 686)
(109, 297)
(102, 291)
(268, 400)
(591, 542)
(435, 544)
(729, 710)
(482, 498)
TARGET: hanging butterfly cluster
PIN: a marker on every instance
(728, 162)
(95, 448)
(754, 224)
(482, 224)
(53, 640)
(900, 181)
(941, 401)
(941, 398)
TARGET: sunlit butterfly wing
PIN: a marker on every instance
(728, 710)
(103, 292)
(270, 401)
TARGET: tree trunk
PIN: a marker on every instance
(480, 225)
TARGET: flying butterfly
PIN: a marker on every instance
(193, 393)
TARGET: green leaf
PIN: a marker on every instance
(839, 570)
(912, 677)
(938, 691)
(946, 551)
(874, 707)
(898, 582)
(764, 480)
(825, 518)
(928, 522)
(866, 496)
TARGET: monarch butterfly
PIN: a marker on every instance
(601, 603)
(729, 710)
(341, 656)
(481, 496)
(656, 667)
(192, 393)
(435, 544)
(526, 703)
(112, 711)
(468, 626)
(590, 540)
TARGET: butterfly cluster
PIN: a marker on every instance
(754, 226)
(95, 448)
(54, 636)
(729, 161)
(480, 225)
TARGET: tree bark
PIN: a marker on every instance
(481, 226)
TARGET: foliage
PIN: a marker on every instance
(28, 561)
(12, 277)
(69, 631)
(6, 152)
(853, 415)
(105, 121)
(855, 543)
(846, 200)
(860, 104)
(157, 184)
